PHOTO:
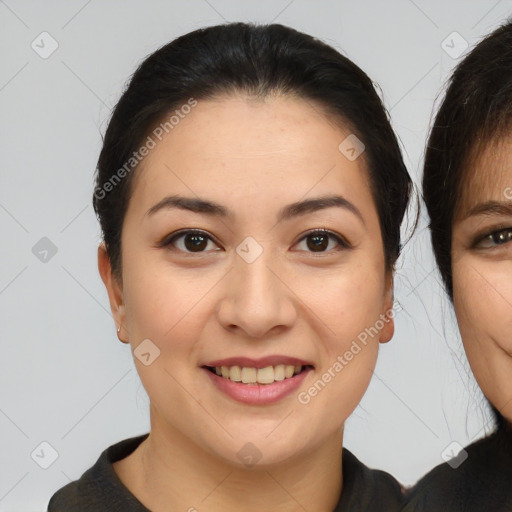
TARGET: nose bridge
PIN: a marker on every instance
(256, 300)
(254, 280)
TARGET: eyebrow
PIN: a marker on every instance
(189, 203)
(198, 205)
(490, 208)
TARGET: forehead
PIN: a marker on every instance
(280, 145)
(488, 174)
(241, 126)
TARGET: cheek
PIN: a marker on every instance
(483, 303)
(352, 300)
(349, 304)
(170, 308)
(162, 300)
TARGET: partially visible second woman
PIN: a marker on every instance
(467, 188)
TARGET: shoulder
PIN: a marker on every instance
(479, 478)
(366, 489)
(99, 488)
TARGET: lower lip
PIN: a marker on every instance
(258, 394)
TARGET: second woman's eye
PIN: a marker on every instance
(491, 240)
(323, 241)
(192, 241)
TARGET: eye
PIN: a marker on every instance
(191, 241)
(494, 239)
(322, 240)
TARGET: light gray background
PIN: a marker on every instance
(65, 377)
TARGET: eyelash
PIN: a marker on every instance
(488, 237)
(171, 239)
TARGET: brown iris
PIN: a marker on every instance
(195, 242)
(318, 242)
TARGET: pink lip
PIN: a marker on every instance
(257, 394)
(258, 363)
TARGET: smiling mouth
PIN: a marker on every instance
(249, 375)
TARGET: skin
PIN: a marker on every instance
(482, 271)
(254, 157)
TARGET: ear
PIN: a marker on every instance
(389, 324)
(114, 290)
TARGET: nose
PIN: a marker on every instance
(257, 300)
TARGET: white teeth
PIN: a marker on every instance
(266, 375)
(235, 374)
(279, 372)
(249, 375)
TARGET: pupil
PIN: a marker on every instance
(195, 243)
(318, 242)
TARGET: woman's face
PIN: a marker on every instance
(284, 268)
(482, 273)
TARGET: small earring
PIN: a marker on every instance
(119, 329)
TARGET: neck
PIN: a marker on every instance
(167, 470)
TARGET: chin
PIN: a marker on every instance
(256, 451)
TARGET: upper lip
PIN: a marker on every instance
(262, 362)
